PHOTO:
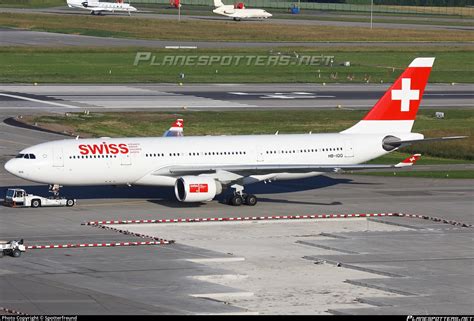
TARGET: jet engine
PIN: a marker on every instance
(196, 188)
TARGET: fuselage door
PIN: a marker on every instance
(58, 159)
(348, 149)
(260, 154)
(125, 159)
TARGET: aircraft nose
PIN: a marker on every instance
(10, 166)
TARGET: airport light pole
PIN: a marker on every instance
(371, 12)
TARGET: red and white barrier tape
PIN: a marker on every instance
(246, 218)
(125, 232)
(267, 218)
(160, 241)
(11, 311)
(156, 241)
(436, 219)
(66, 246)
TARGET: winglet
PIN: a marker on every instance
(409, 161)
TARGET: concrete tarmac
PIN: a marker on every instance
(20, 37)
(386, 265)
(70, 98)
(241, 269)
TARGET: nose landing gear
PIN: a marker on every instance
(54, 188)
(238, 197)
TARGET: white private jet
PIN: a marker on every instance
(239, 12)
(202, 167)
(97, 8)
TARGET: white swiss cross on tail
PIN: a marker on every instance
(178, 123)
(405, 95)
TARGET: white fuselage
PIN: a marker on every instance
(96, 6)
(230, 11)
(145, 161)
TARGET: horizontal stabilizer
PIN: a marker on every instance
(398, 143)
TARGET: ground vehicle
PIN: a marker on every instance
(12, 248)
(17, 197)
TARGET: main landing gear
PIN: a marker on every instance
(238, 197)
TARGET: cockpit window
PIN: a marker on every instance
(26, 156)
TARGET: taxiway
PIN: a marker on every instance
(61, 98)
(357, 266)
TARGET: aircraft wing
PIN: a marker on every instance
(247, 170)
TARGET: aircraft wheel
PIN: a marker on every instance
(251, 200)
(236, 200)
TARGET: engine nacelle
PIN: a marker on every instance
(393, 143)
(196, 188)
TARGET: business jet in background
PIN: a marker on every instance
(202, 167)
(97, 8)
(239, 12)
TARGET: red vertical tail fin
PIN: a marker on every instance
(396, 110)
(176, 129)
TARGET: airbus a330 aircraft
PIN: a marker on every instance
(202, 167)
(97, 8)
(239, 12)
